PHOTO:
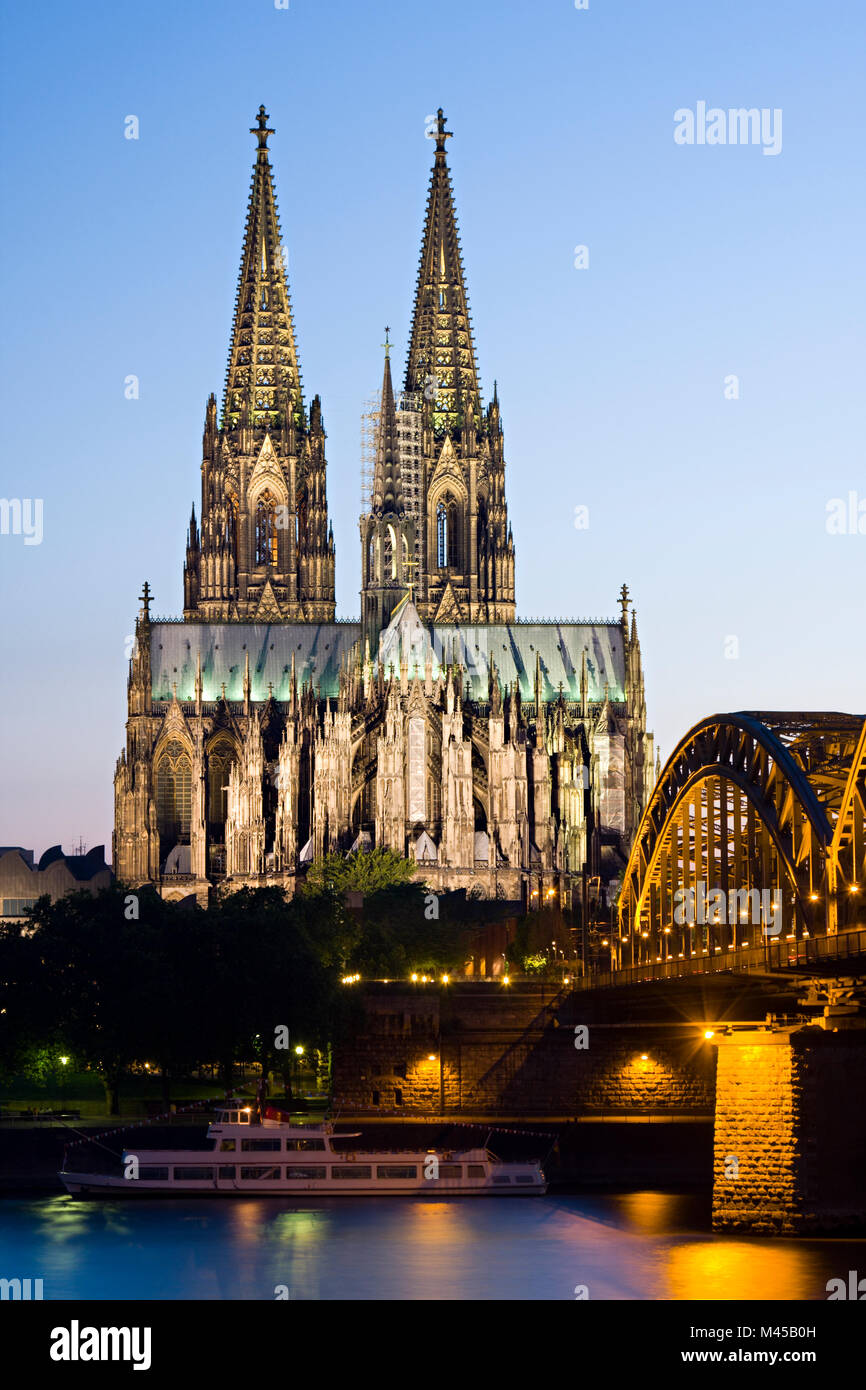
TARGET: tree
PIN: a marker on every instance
(363, 871)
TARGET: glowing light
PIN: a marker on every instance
(605, 942)
(854, 888)
(709, 1034)
(506, 979)
(551, 892)
(413, 977)
(667, 931)
(644, 1056)
(63, 1061)
(299, 1050)
(813, 897)
(431, 1057)
(444, 979)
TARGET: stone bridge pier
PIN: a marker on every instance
(790, 1128)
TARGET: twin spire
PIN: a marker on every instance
(441, 364)
(263, 379)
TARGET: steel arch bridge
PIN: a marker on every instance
(756, 831)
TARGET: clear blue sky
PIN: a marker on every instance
(121, 257)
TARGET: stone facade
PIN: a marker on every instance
(506, 757)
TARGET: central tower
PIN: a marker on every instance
(266, 550)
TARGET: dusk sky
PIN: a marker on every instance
(706, 262)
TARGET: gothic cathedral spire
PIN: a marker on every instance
(466, 569)
(387, 533)
(265, 551)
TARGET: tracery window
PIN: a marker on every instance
(220, 759)
(173, 791)
(266, 530)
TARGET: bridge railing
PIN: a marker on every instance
(773, 955)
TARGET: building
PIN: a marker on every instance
(22, 881)
(507, 757)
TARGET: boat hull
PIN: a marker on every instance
(100, 1185)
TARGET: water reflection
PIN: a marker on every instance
(638, 1245)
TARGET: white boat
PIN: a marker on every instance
(275, 1157)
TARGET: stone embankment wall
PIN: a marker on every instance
(513, 1050)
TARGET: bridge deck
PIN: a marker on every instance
(805, 957)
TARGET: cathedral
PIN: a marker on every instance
(505, 757)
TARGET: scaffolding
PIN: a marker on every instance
(409, 443)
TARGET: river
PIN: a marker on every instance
(637, 1245)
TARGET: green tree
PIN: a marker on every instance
(364, 871)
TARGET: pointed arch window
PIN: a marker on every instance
(220, 759)
(453, 535)
(266, 530)
(231, 536)
(173, 792)
(442, 536)
(390, 567)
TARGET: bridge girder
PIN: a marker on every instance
(752, 802)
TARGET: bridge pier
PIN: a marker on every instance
(790, 1130)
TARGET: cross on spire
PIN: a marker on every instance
(261, 130)
(441, 133)
(387, 345)
(146, 596)
(623, 598)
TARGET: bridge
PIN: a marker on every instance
(752, 848)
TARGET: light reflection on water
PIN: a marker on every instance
(638, 1245)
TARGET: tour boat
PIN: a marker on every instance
(272, 1156)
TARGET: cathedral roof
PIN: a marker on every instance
(317, 648)
(514, 648)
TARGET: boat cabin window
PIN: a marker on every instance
(451, 1170)
(305, 1144)
(235, 1117)
(227, 1146)
(475, 1170)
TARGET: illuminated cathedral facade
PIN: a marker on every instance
(506, 757)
